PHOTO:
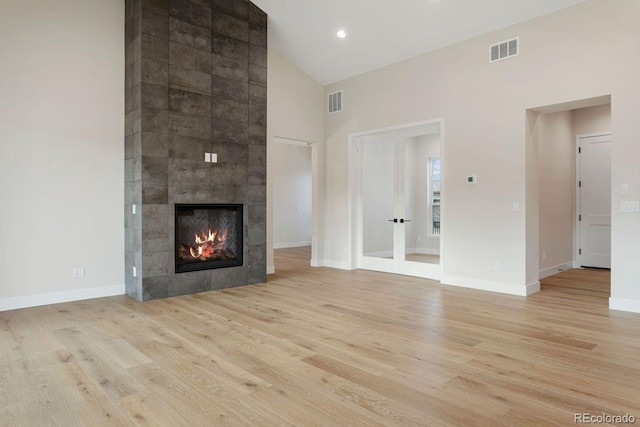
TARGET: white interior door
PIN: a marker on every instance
(594, 192)
(393, 187)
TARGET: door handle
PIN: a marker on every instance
(393, 220)
(402, 221)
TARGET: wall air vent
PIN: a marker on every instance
(504, 50)
(335, 102)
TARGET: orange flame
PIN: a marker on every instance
(208, 244)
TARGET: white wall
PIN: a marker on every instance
(580, 52)
(557, 177)
(291, 195)
(61, 150)
(591, 120)
(295, 110)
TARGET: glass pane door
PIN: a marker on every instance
(378, 197)
(398, 203)
(421, 199)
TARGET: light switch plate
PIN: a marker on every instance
(624, 189)
(214, 158)
(207, 157)
(630, 206)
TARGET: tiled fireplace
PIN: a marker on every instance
(196, 76)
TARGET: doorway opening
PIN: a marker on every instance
(291, 169)
(396, 199)
(569, 166)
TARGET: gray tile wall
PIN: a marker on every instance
(195, 82)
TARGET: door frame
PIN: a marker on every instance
(353, 194)
(577, 239)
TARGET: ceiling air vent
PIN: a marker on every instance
(504, 50)
(335, 102)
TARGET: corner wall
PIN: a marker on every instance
(557, 177)
(61, 150)
(484, 106)
(295, 110)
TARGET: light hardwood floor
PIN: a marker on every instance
(580, 281)
(321, 347)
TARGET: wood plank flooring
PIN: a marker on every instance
(580, 281)
(322, 347)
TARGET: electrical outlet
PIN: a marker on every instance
(544, 256)
(624, 189)
(135, 272)
(77, 272)
(497, 266)
(516, 206)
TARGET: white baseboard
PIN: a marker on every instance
(624, 304)
(533, 288)
(271, 269)
(340, 265)
(389, 254)
(486, 285)
(555, 269)
(286, 245)
(15, 303)
(315, 263)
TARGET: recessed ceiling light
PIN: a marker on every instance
(341, 34)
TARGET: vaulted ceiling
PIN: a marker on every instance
(381, 32)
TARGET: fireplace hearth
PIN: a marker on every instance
(208, 236)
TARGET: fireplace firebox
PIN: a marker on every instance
(208, 236)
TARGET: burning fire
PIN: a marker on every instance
(208, 244)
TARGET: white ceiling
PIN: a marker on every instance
(381, 32)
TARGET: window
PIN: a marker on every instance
(434, 196)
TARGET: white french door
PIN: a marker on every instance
(395, 224)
